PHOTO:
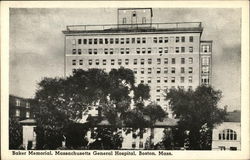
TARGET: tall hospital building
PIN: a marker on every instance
(162, 55)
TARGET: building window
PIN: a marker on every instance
(119, 61)
(190, 60)
(165, 49)
(133, 145)
(191, 49)
(80, 62)
(149, 61)
(233, 148)
(100, 41)
(173, 60)
(158, 71)
(141, 145)
(149, 79)
(143, 20)
(135, 70)
(149, 50)
(166, 79)
(90, 41)
(142, 61)
(165, 70)
(112, 62)
(142, 79)
(205, 79)
(158, 89)
(205, 61)
(134, 14)
(177, 39)
(143, 40)
(183, 39)
(90, 61)
(135, 61)
(123, 20)
(105, 50)
(104, 61)
(117, 41)
(205, 69)
(90, 51)
(106, 40)
(191, 39)
(18, 102)
(111, 51)
(182, 70)
(79, 41)
(27, 105)
(73, 51)
(97, 61)
(158, 61)
(95, 51)
(85, 41)
(173, 79)
(122, 50)
(190, 69)
(160, 39)
(138, 40)
(126, 61)
(95, 41)
(138, 50)
(173, 70)
(228, 134)
(27, 114)
(165, 60)
(143, 50)
(182, 79)
(111, 40)
(205, 48)
(74, 62)
(160, 50)
(158, 98)
(122, 40)
(182, 60)
(149, 70)
(177, 50)
(127, 40)
(182, 49)
(142, 70)
(166, 39)
(190, 79)
(73, 42)
(158, 79)
(155, 40)
(17, 113)
(133, 40)
(222, 148)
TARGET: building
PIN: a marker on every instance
(227, 135)
(20, 108)
(162, 55)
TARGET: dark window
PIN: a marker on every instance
(84, 41)
(100, 41)
(191, 39)
(95, 41)
(79, 41)
(106, 40)
(73, 51)
(79, 51)
(182, 39)
(90, 41)
(182, 49)
(117, 41)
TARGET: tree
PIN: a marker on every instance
(15, 134)
(194, 109)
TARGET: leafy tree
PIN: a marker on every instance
(15, 134)
(194, 109)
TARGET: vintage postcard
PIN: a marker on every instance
(125, 80)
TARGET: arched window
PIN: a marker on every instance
(227, 134)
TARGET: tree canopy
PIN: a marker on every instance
(196, 109)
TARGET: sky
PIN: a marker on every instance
(37, 43)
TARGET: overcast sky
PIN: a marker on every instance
(37, 44)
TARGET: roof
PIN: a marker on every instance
(28, 121)
(166, 122)
(234, 116)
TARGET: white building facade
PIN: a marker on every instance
(162, 55)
